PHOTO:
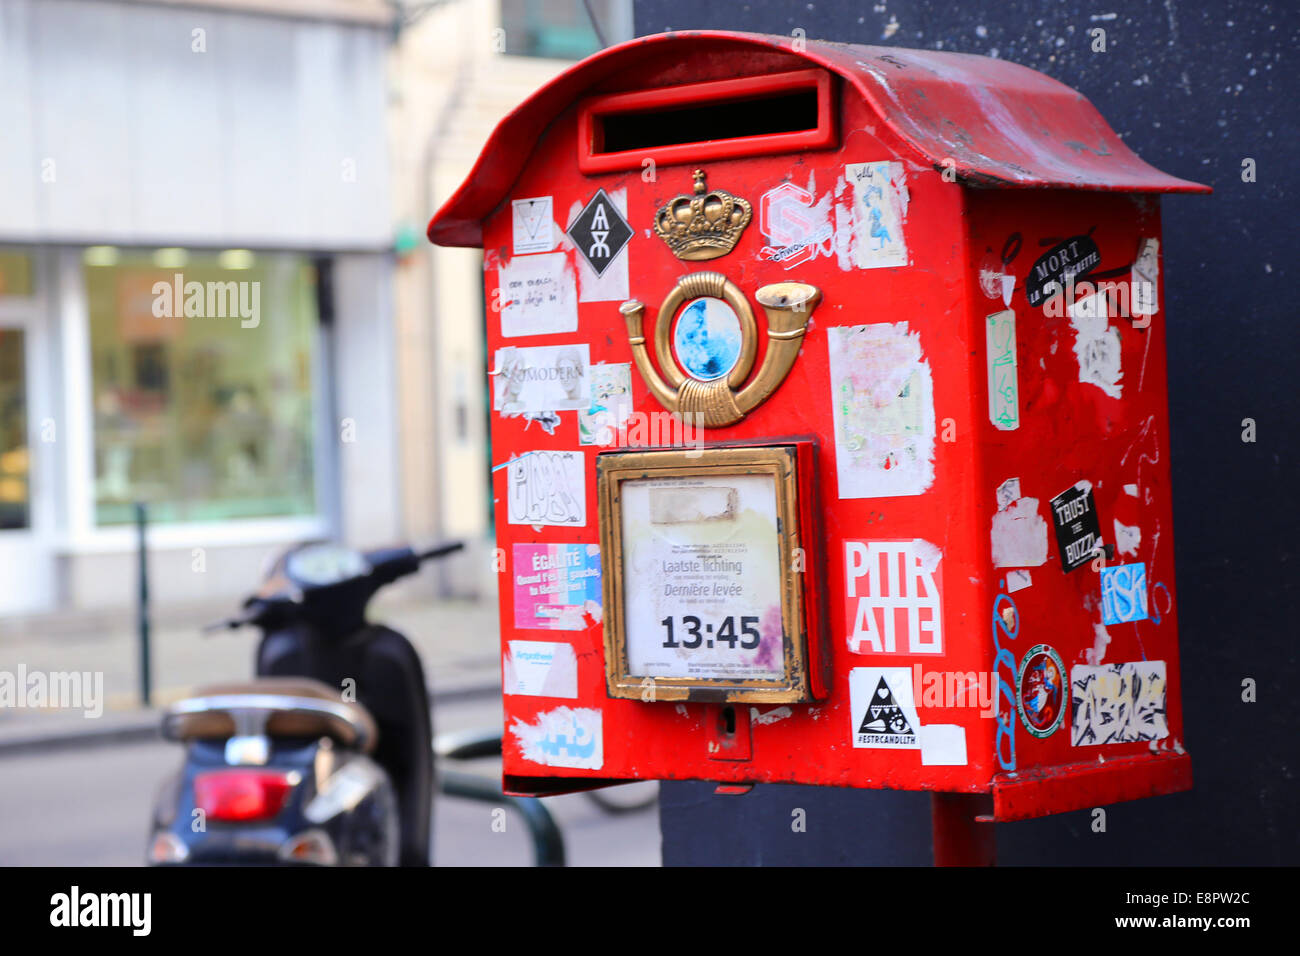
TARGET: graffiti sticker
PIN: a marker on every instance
(1124, 593)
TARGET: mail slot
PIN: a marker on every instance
(829, 427)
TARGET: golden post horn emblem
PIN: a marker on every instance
(716, 402)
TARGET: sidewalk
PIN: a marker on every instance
(457, 641)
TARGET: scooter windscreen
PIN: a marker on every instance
(323, 563)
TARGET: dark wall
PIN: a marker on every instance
(1194, 93)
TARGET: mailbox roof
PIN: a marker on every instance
(1000, 124)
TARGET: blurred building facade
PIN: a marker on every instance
(215, 296)
(459, 68)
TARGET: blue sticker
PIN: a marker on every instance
(1124, 593)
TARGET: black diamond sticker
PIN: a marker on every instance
(600, 232)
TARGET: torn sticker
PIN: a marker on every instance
(1100, 640)
(879, 208)
(533, 225)
(557, 586)
(994, 282)
(540, 669)
(1007, 493)
(1145, 278)
(1117, 703)
(1018, 581)
(893, 604)
(882, 709)
(1040, 694)
(1078, 533)
(882, 396)
(1097, 345)
(943, 745)
(540, 379)
(1019, 532)
(564, 737)
(1128, 538)
(769, 716)
(1124, 593)
(547, 488)
(1004, 387)
(796, 225)
(539, 295)
(611, 405)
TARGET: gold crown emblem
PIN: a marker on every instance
(703, 226)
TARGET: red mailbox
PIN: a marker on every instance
(829, 427)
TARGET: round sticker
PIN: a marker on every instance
(707, 338)
(1041, 694)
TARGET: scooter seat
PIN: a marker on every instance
(292, 707)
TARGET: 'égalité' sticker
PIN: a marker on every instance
(1074, 513)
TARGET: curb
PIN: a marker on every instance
(143, 726)
(136, 728)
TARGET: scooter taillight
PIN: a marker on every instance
(242, 795)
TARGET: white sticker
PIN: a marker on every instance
(543, 378)
(547, 488)
(612, 284)
(611, 404)
(772, 716)
(564, 737)
(1019, 533)
(540, 669)
(534, 225)
(1007, 493)
(1145, 297)
(883, 712)
(1018, 581)
(879, 207)
(538, 295)
(1118, 703)
(1004, 385)
(1127, 538)
(943, 745)
(882, 404)
(1096, 344)
(796, 225)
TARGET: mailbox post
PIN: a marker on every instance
(830, 430)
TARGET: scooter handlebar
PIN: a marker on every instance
(441, 550)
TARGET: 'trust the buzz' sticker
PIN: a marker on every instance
(1074, 513)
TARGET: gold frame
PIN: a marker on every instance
(780, 461)
(705, 285)
(716, 403)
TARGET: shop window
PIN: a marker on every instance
(15, 485)
(15, 273)
(202, 367)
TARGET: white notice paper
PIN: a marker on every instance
(539, 295)
(534, 225)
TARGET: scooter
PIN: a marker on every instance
(326, 758)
